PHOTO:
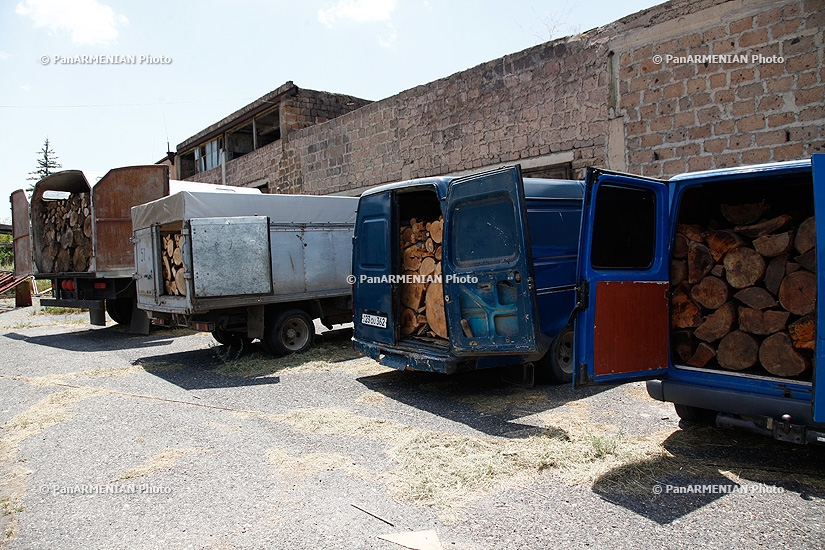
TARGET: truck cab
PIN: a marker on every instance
(453, 274)
(745, 354)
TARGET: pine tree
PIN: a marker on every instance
(46, 165)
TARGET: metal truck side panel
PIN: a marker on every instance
(21, 236)
(230, 256)
(112, 199)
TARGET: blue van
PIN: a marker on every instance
(580, 279)
(508, 293)
(627, 262)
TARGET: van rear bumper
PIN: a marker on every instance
(402, 358)
(732, 402)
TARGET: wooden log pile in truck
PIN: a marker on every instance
(76, 234)
(245, 267)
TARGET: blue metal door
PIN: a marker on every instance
(622, 322)
(818, 162)
(489, 288)
(371, 265)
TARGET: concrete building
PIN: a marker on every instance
(687, 85)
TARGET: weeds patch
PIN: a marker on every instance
(163, 460)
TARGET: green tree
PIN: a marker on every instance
(46, 164)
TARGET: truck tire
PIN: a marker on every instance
(231, 339)
(290, 331)
(695, 414)
(120, 310)
(560, 357)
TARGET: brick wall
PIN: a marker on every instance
(686, 115)
(598, 98)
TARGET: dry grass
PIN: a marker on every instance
(445, 470)
(163, 460)
(62, 378)
(325, 357)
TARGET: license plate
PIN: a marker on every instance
(374, 320)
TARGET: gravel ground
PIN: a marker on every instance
(111, 440)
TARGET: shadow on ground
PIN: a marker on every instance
(478, 399)
(712, 458)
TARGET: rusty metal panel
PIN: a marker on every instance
(112, 200)
(628, 337)
(21, 235)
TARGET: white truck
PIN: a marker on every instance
(245, 267)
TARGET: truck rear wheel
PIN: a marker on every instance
(120, 310)
(558, 362)
(291, 331)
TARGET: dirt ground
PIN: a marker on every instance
(169, 440)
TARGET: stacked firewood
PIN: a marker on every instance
(173, 269)
(66, 225)
(746, 296)
(422, 297)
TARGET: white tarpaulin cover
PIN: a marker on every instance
(288, 209)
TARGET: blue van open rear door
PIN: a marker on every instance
(623, 321)
(489, 288)
(818, 162)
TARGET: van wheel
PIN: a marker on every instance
(695, 414)
(291, 331)
(561, 356)
(231, 339)
(120, 310)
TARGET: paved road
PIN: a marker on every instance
(112, 440)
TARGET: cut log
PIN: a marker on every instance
(63, 261)
(693, 232)
(764, 228)
(797, 293)
(774, 273)
(167, 271)
(683, 344)
(755, 297)
(429, 245)
(700, 262)
(743, 214)
(678, 272)
(808, 260)
(67, 238)
(791, 267)
(684, 312)
(737, 351)
(412, 294)
(773, 245)
(806, 236)
(435, 309)
(436, 230)
(717, 324)
(408, 321)
(412, 258)
(169, 245)
(87, 227)
(427, 267)
(721, 242)
(180, 282)
(718, 271)
(79, 259)
(704, 353)
(743, 267)
(711, 292)
(406, 236)
(177, 257)
(680, 246)
(779, 358)
(437, 254)
(803, 332)
(762, 323)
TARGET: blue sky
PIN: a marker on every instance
(221, 55)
